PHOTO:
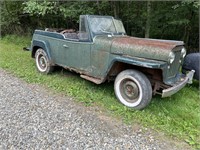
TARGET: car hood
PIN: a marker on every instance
(143, 47)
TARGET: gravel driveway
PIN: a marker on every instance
(32, 117)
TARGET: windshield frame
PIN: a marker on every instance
(103, 32)
(119, 20)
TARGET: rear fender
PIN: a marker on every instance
(36, 44)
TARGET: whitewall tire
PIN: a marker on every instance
(42, 62)
(133, 89)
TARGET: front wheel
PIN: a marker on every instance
(42, 62)
(133, 89)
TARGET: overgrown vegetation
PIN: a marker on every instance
(174, 20)
(177, 116)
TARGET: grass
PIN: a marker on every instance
(177, 116)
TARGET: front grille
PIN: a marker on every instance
(175, 66)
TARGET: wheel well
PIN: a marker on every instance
(35, 48)
(152, 74)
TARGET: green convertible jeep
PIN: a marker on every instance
(101, 51)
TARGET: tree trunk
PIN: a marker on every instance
(127, 22)
(148, 21)
(98, 7)
(188, 29)
(116, 8)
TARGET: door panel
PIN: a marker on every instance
(72, 54)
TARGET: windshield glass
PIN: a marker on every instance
(104, 25)
(119, 25)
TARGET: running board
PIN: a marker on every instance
(95, 80)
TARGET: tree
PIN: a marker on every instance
(10, 16)
(147, 29)
(56, 11)
(174, 20)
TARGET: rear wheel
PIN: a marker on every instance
(42, 62)
(133, 89)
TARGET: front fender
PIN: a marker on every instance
(142, 62)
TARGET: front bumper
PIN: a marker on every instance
(183, 81)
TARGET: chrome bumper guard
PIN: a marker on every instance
(172, 90)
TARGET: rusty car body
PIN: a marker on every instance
(101, 51)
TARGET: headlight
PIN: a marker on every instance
(183, 52)
(171, 57)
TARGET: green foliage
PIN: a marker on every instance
(10, 19)
(58, 11)
(177, 116)
(176, 20)
(66, 9)
(73, 10)
(40, 8)
(173, 20)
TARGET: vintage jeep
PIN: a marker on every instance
(101, 51)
